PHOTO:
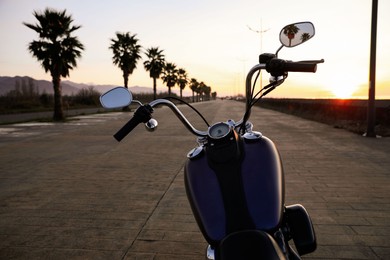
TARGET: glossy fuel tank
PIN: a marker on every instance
(262, 180)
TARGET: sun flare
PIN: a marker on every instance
(344, 92)
(344, 88)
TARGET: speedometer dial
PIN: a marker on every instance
(219, 130)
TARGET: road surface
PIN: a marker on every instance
(70, 191)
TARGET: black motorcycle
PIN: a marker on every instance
(234, 179)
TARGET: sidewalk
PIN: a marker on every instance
(23, 117)
(70, 191)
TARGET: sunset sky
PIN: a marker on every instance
(211, 40)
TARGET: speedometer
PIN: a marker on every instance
(219, 130)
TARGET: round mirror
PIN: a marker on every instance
(116, 98)
(296, 33)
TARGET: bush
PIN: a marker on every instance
(86, 97)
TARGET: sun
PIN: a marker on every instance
(344, 92)
(344, 88)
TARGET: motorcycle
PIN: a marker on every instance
(234, 178)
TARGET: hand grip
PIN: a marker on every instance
(278, 67)
(300, 67)
(126, 129)
(142, 115)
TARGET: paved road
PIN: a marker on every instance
(24, 117)
(69, 191)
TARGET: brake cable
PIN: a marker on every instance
(193, 108)
(271, 86)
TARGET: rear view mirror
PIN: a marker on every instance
(297, 33)
(116, 98)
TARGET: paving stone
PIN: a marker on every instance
(70, 191)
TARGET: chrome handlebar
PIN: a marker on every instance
(278, 69)
(179, 115)
(248, 86)
(184, 120)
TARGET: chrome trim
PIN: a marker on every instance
(252, 135)
(210, 253)
(195, 152)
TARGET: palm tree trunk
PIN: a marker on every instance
(169, 91)
(193, 96)
(58, 109)
(154, 88)
(181, 93)
(126, 79)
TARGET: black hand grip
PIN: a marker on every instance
(142, 115)
(127, 128)
(300, 67)
(278, 67)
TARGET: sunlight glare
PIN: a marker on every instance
(344, 92)
(344, 88)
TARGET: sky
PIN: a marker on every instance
(213, 42)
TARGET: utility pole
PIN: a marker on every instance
(260, 32)
(371, 88)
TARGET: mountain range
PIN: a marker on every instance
(8, 84)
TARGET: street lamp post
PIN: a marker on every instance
(260, 32)
(371, 88)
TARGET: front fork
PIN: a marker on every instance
(282, 236)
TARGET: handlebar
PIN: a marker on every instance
(144, 113)
(179, 115)
(277, 67)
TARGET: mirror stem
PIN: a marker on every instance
(277, 52)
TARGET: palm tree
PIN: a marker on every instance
(194, 84)
(56, 49)
(305, 37)
(290, 32)
(155, 65)
(182, 80)
(126, 52)
(201, 90)
(207, 91)
(169, 76)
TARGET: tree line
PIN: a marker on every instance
(127, 53)
(58, 50)
(26, 97)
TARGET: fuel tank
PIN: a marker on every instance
(257, 193)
